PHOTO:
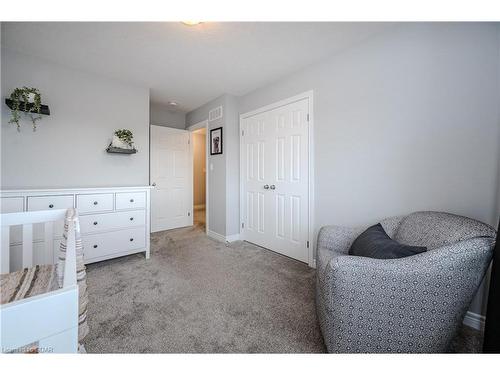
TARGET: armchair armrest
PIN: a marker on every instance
(334, 241)
(337, 238)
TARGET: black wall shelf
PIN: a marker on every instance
(117, 150)
(44, 110)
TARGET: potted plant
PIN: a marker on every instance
(26, 99)
(123, 138)
(122, 142)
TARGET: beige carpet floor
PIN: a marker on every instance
(198, 295)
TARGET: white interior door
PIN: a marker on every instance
(171, 173)
(275, 162)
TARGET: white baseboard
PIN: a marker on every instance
(216, 236)
(233, 237)
(474, 320)
(221, 238)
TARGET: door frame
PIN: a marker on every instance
(305, 95)
(190, 162)
(197, 126)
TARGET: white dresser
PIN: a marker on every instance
(114, 221)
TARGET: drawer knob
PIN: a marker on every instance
(95, 222)
(95, 203)
(131, 239)
(51, 205)
(131, 201)
(95, 246)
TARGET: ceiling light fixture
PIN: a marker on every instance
(173, 104)
(191, 23)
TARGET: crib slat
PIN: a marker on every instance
(5, 252)
(49, 242)
(27, 245)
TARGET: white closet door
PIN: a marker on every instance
(171, 173)
(276, 179)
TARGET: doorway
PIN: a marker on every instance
(198, 139)
(200, 179)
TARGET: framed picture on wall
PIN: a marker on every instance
(216, 141)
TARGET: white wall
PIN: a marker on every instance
(217, 172)
(406, 121)
(223, 180)
(68, 149)
(232, 151)
(160, 114)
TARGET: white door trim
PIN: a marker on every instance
(201, 125)
(305, 95)
(198, 125)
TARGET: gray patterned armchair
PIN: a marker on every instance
(413, 304)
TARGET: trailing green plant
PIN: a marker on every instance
(125, 135)
(20, 97)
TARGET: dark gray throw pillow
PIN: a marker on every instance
(375, 243)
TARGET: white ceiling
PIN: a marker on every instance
(188, 64)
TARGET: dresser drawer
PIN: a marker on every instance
(113, 220)
(87, 203)
(101, 245)
(11, 204)
(126, 201)
(50, 202)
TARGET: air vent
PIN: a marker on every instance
(215, 114)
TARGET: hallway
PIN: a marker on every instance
(199, 218)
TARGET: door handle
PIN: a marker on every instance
(266, 186)
(272, 187)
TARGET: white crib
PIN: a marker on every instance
(50, 320)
